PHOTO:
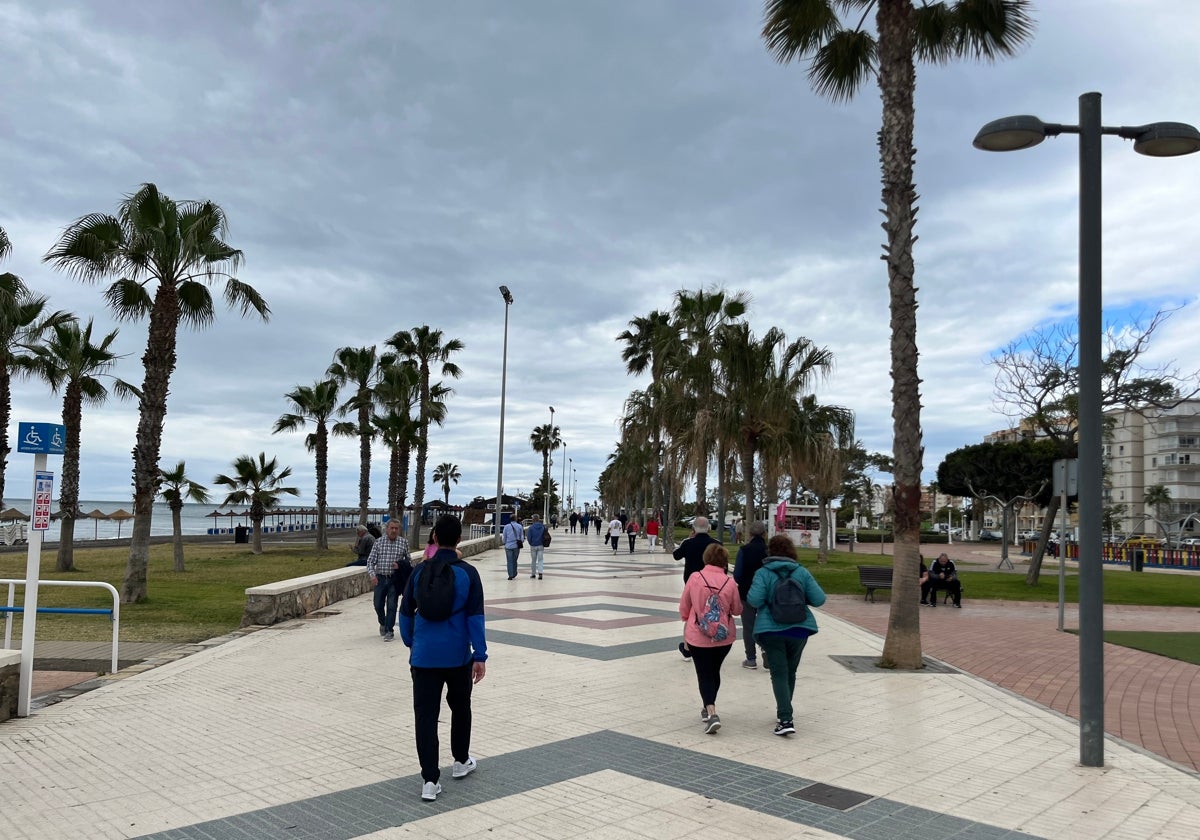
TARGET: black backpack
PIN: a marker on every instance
(788, 603)
(435, 589)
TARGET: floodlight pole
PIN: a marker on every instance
(508, 299)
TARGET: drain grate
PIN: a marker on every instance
(830, 796)
(869, 665)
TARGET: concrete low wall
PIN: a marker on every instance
(297, 597)
(10, 681)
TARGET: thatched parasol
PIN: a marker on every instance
(13, 515)
(120, 515)
(96, 515)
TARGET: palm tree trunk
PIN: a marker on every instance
(402, 492)
(6, 408)
(68, 497)
(256, 543)
(158, 362)
(322, 487)
(747, 453)
(177, 534)
(897, 84)
(364, 463)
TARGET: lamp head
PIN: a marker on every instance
(1166, 139)
(1010, 134)
(506, 294)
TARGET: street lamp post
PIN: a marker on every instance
(1165, 139)
(508, 299)
(549, 464)
(562, 487)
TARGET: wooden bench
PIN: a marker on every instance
(874, 577)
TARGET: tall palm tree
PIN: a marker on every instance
(23, 321)
(360, 368)
(316, 403)
(698, 316)
(760, 380)
(164, 254)
(427, 348)
(175, 489)
(1158, 498)
(446, 473)
(545, 439)
(259, 484)
(841, 58)
(70, 362)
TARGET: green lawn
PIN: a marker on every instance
(1182, 646)
(200, 603)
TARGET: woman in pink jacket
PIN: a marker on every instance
(709, 602)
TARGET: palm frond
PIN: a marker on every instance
(128, 299)
(195, 304)
(841, 66)
(246, 298)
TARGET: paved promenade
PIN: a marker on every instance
(586, 726)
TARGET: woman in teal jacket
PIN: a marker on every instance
(783, 644)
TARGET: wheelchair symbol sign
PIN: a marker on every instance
(37, 438)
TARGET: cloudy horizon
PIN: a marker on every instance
(385, 165)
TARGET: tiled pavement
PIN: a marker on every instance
(586, 726)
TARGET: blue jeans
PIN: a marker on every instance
(536, 553)
(511, 554)
(386, 599)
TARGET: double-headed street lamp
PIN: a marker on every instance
(508, 299)
(1166, 139)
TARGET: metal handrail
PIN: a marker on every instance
(114, 613)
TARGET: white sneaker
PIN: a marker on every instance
(430, 790)
(464, 769)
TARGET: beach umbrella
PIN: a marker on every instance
(96, 515)
(120, 515)
(13, 515)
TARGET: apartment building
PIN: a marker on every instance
(1149, 448)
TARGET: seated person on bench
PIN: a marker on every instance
(942, 575)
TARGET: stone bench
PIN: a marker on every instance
(272, 603)
(10, 682)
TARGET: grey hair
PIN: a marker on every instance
(700, 525)
(757, 528)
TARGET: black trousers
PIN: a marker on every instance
(930, 590)
(427, 704)
(707, 661)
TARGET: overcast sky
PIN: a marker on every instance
(389, 164)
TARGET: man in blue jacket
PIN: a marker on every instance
(449, 653)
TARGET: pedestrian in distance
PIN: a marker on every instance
(441, 622)
(632, 531)
(652, 532)
(574, 521)
(537, 548)
(361, 546)
(514, 541)
(615, 529)
(707, 606)
(784, 593)
(388, 567)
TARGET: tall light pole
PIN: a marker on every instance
(1164, 139)
(508, 299)
(549, 464)
(562, 487)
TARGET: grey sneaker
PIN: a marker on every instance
(464, 769)
(714, 723)
(704, 714)
(382, 631)
(430, 790)
(752, 664)
(389, 636)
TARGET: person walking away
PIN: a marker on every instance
(361, 546)
(749, 560)
(537, 535)
(707, 606)
(615, 529)
(652, 532)
(691, 552)
(574, 521)
(388, 567)
(514, 539)
(632, 530)
(441, 623)
(784, 622)
(583, 522)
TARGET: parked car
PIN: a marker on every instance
(1142, 542)
(1190, 542)
(1029, 535)
(988, 535)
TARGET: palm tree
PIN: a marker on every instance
(360, 368)
(425, 347)
(165, 254)
(1158, 497)
(545, 439)
(316, 403)
(446, 473)
(698, 316)
(841, 58)
(23, 321)
(258, 484)
(71, 363)
(175, 489)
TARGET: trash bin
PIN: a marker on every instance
(241, 534)
(1137, 558)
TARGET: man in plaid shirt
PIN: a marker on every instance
(388, 555)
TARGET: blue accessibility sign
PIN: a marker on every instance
(38, 438)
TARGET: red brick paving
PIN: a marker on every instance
(1149, 700)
